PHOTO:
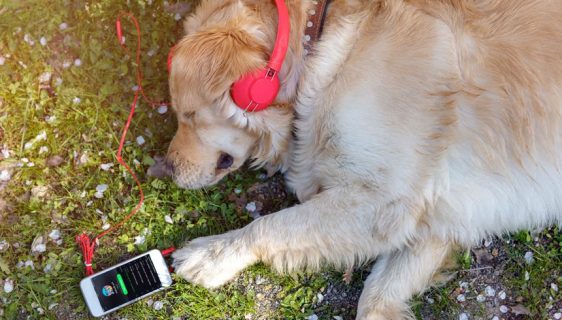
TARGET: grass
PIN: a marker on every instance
(77, 116)
(80, 112)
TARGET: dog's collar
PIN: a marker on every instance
(314, 24)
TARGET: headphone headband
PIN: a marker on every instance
(282, 39)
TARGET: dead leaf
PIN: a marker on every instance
(54, 161)
(520, 310)
(483, 256)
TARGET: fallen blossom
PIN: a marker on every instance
(38, 245)
(463, 316)
(77, 62)
(168, 219)
(461, 298)
(30, 264)
(502, 295)
(527, 276)
(55, 234)
(312, 317)
(140, 140)
(490, 292)
(337, 318)
(63, 26)
(464, 285)
(320, 298)
(106, 166)
(529, 257)
(43, 149)
(106, 226)
(135, 88)
(162, 109)
(40, 137)
(5, 175)
(100, 189)
(151, 52)
(554, 287)
(177, 17)
(251, 206)
(45, 77)
(5, 153)
(480, 298)
(50, 119)
(558, 315)
(139, 239)
(58, 81)
(158, 305)
(76, 100)
(8, 285)
(66, 64)
(504, 309)
(48, 268)
(52, 306)
(43, 41)
(27, 38)
(2, 60)
(4, 245)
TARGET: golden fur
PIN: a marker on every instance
(413, 126)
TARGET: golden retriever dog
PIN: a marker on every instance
(412, 127)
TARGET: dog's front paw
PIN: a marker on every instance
(385, 311)
(213, 261)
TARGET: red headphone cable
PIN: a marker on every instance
(86, 244)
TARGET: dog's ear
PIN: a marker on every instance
(210, 61)
(212, 12)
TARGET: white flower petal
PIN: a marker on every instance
(140, 140)
(8, 285)
(162, 109)
(529, 257)
(490, 292)
(251, 206)
(158, 305)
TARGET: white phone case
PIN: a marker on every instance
(92, 300)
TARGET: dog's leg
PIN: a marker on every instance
(336, 227)
(397, 276)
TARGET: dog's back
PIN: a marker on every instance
(506, 159)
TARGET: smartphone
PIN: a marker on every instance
(125, 283)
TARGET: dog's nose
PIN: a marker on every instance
(162, 168)
(169, 167)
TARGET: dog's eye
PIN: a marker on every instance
(225, 161)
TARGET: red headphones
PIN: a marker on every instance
(256, 90)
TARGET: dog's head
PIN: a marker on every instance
(224, 40)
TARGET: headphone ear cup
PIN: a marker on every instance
(255, 91)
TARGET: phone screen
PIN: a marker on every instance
(126, 282)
